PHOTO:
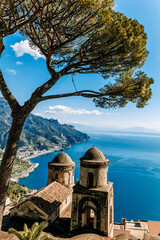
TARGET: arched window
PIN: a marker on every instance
(56, 176)
(90, 179)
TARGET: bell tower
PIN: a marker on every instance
(92, 204)
(61, 169)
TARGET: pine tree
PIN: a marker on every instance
(75, 36)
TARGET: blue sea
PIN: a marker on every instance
(134, 169)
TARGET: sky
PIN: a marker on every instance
(24, 69)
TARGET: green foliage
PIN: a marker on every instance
(93, 38)
(84, 36)
(20, 166)
(117, 47)
(100, 41)
(15, 13)
(16, 191)
(33, 233)
(128, 87)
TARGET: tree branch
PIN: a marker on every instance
(37, 94)
(13, 103)
(92, 94)
(3, 7)
(84, 93)
(23, 23)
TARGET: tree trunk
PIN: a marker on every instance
(1, 45)
(8, 160)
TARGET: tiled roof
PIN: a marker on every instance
(154, 227)
(50, 197)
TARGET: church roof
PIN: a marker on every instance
(62, 159)
(94, 154)
(49, 197)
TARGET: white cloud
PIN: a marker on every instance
(13, 71)
(64, 110)
(19, 63)
(23, 47)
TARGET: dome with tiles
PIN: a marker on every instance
(62, 159)
(94, 154)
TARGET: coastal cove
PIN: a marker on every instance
(134, 169)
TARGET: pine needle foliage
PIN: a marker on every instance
(93, 38)
(129, 87)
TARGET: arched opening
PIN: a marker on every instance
(84, 218)
(89, 220)
(56, 176)
(90, 179)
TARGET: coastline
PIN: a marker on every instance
(55, 149)
(39, 153)
(25, 174)
(16, 177)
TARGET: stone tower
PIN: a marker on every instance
(92, 204)
(61, 169)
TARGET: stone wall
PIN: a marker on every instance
(101, 202)
(64, 175)
(100, 176)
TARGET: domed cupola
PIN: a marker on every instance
(61, 169)
(94, 155)
(94, 169)
(62, 159)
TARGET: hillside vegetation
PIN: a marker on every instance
(39, 133)
(17, 192)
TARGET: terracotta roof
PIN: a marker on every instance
(154, 227)
(50, 197)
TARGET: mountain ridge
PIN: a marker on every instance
(39, 133)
